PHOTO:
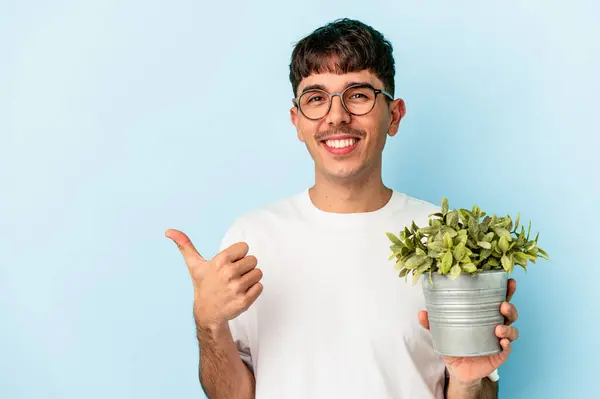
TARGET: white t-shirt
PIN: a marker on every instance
(334, 319)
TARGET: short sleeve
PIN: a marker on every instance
(239, 326)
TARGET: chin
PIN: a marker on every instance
(343, 174)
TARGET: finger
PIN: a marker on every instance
(506, 332)
(510, 313)
(424, 319)
(511, 288)
(244, 265)
(253, 293)
(233, 253)
(249, 279)
(506, 349)
(183, 242)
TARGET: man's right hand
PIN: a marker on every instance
(224, 286)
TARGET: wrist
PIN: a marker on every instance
(466, 383)
(212, 330)
(464, 389)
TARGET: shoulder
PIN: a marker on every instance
(260, 218)
(416, 207)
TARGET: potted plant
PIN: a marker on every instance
(465, 258)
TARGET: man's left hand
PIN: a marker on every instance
(469, 370)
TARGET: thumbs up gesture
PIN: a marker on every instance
(224, 286)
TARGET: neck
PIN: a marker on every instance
(362, 195)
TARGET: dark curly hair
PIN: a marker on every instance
(343, 46)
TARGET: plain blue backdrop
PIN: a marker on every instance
(119, 119)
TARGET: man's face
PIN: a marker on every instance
(343, 146)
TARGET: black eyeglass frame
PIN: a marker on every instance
(376, 92)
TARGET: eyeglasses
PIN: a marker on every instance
(357, 100)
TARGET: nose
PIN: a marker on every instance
(337, 113)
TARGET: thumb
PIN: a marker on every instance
(424, 319)
(183, 242)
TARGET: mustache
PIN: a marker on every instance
(320, 136)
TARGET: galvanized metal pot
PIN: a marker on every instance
(464, 313)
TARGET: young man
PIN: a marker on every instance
(334, 320)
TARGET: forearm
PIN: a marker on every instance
(483, 389)
(222, 374)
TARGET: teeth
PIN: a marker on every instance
(340, 143)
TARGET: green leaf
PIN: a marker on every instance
(484, 244)
(419, 251)
(413, 227)
(416, 275)
(507, 263)
(502, 232)
(427, 264)
(421, 269)
(455, 272)
(473, 227)
(524, 268)
(433, 254)
(485, 253)
(403, 272)
(469, 268)
(447, 241)
(449, 230)
(429, 230)
(521, 258)
(533, 250)
(465, 215)
(399, 265)
(415, 261)
(452, 219)
(405, 251)
(436, 246)
(444, 206)
(459, 252)
(396, 248)
(488, 237)
(543, 253)
(503, 244)
(517, 221)
(495, 248)
(447, 260)
(461, 240)
(493, 262)
(394, 239)
(509, 223)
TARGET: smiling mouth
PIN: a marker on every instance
(341, 146)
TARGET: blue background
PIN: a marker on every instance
(119, 119)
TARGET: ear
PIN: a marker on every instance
(397, 112)
(294, 119)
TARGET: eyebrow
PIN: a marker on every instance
(322, 87)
